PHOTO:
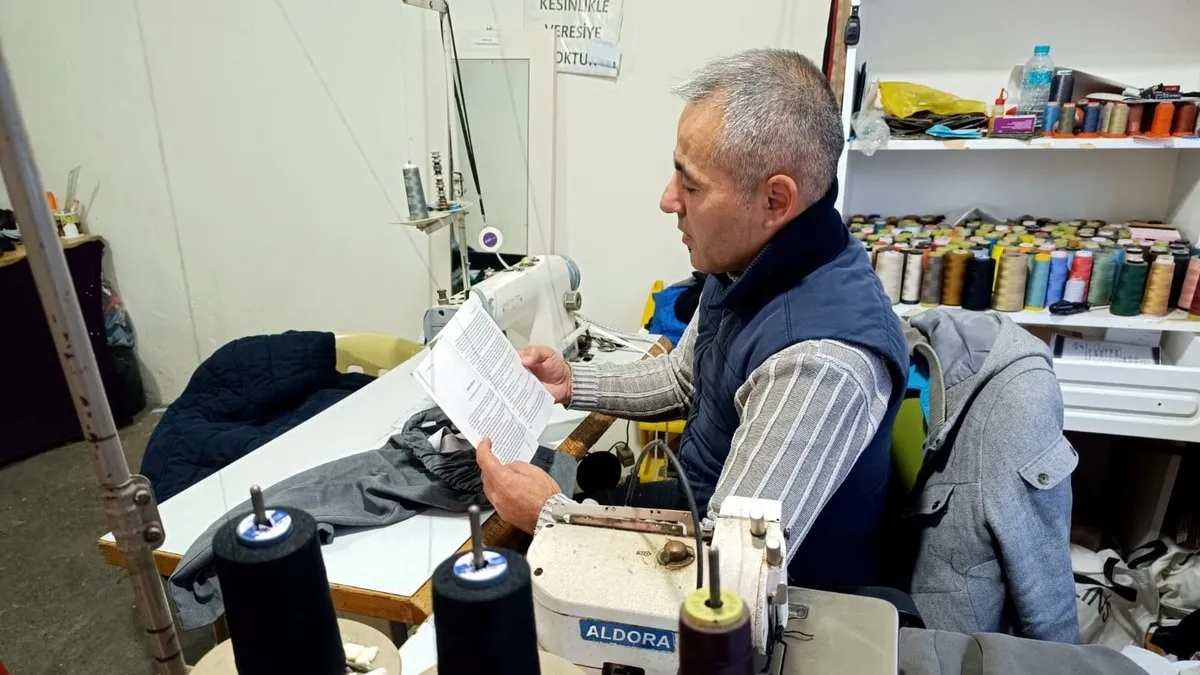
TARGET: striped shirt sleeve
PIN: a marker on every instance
(656, 389)
(806, 414)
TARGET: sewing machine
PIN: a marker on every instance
(533, 302)
(609, 581)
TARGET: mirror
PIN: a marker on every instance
(497, 103)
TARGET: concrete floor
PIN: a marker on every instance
(62, 610)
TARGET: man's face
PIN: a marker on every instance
(719, 223)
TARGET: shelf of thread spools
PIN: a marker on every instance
(1040, 143)
(1026, 266)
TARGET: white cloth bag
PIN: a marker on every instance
(1117, 603)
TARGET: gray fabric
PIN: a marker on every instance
(935, 652)
(994, 551)
(369, 489)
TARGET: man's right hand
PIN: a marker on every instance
(548, 366)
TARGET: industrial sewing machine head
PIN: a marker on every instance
(533, 302)
(608, 582)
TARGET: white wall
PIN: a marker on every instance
(265, 218)
(614, 139)
(971, 54)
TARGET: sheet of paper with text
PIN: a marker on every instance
(476, 377)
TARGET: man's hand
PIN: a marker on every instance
(517, 490)
(548, 366)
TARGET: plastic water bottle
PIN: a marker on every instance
(1035, 82)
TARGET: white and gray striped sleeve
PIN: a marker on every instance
(806, 414)
(654, 389)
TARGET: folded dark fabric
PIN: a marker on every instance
(370, 489)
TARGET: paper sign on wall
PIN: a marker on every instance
(587, 33)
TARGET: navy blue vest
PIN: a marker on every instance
(812, 281)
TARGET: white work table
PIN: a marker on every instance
(378, 572)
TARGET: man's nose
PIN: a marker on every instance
(670, 201)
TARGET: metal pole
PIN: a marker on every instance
(128, 501)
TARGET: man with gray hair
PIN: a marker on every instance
(794, 366)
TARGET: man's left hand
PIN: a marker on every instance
(517, 491)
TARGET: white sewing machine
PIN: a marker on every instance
(609, 581)
(533, 302)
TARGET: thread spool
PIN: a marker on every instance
(1077, 281)
(277, 602)
(1191, 281)
(1106, 112)
(1059, 271)
(1062, 86)
(1051, 116)
(955, 280)
(910, 292)
(1039, 282)
(414, 193)
(931, 282)
(1164, 114)
(1012, 273)
(890, 268)
(1158, 287)
(483, 611)
(1131, 285)
(1194, 310)
(714, 630)
(1185, 120)
(1119, 122)
(1137, 114)
(1104, 273)
(977, 294)
(1182, 259)
(1091, 120)
(1066, 121)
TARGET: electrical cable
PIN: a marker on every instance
(687, 490)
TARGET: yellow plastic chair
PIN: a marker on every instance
(654, 467)
(372, 353)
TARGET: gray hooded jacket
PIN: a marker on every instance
(994, 516)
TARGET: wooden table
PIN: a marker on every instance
(364, 599)
(12, 257)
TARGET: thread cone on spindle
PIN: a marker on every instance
(1164, 115)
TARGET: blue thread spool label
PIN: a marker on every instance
(495, 569)
(625, 635)
(251, 534)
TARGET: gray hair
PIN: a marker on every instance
(779, 117)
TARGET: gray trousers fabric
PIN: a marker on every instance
(370, 489)
(937, 652)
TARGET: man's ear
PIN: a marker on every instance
(783, 201)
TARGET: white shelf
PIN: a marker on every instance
(1176, 321)
(1190, 142)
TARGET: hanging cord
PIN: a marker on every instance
(460, 103)
(633, 482)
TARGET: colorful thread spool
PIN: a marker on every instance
(910, 289)
(1009, 293)
(931, 282)
(1050, 117)
(1191, 281)
(1164, 114)
(1104, 273)
(956, 277)
(1059, 271)
(1158, 287)
(1118, 122)
(1066, 121)
(1131, 285)
(1039, 282)
(1081, 273)
(1136, 114)
(890, 268)
(1185, 120)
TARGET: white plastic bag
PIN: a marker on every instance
(1116, 603)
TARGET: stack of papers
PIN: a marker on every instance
(476, 377)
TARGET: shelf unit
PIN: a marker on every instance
(1117, 180)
